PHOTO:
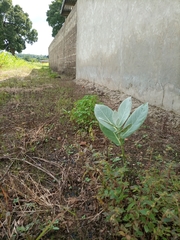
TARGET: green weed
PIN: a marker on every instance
(147, 208)
(83, 112)
(50, 226)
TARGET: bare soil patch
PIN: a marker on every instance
(48, 171)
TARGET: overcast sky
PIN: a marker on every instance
(36, 10)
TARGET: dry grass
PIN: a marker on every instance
(43, 173)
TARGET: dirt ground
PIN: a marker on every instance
(48, 172)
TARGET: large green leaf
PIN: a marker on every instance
(115, 117)
(123, 112)
(135, 120)
(104, 116)
(110, 134)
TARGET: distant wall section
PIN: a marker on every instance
(62, 50)
(131, 46)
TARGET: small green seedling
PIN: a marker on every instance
(118, 125)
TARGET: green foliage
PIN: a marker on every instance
(32, 57)
(83, 112)
(53, 74)
(147, 208)
(118, 125)
(5, 6)
(9, 61)
(15, 28)
(54, 19)
(47, 228)
(139, 205)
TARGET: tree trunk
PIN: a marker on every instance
(12, 51)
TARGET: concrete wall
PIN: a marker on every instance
(132, 46)
(62, 50)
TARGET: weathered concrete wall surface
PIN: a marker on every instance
(132, 46)
(62, 50)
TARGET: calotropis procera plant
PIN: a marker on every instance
(118, 125)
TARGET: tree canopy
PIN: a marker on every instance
(15, 28)
(54, 19)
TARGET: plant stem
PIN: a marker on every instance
(45, 231)
(123, 152)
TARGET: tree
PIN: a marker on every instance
(54, 19)
(4, 8)
(15, 28)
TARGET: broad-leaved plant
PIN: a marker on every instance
(118, 125)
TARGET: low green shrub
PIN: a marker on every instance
(83, 112)
(147, 208)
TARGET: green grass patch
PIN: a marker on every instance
(8, 61)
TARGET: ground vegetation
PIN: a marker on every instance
(61, 179)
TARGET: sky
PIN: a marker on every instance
(36, 10)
